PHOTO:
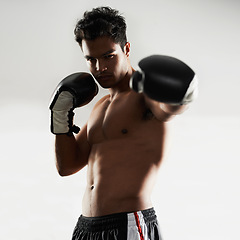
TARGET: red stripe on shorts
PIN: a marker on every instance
(138, 225)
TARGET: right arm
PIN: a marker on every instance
(71, 152)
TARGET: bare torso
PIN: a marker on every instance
(127, 146)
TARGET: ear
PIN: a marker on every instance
(127, 49)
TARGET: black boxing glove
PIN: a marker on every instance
(73, 91)
(165, 79)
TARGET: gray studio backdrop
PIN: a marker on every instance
(197, 195)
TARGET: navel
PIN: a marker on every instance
(92, 187)
(124, 131)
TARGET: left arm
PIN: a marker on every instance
(163, 111)
(167, 83)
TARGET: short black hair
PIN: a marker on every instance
(101, 21)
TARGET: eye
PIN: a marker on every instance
(91, 60)
(109, 56)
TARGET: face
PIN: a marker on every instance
(106, 60)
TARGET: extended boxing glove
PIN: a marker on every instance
(165, 79)
(73, 91)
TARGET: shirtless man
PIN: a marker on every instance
(123, 142)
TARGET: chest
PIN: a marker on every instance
(117, 118)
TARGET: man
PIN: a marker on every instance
(123, 142)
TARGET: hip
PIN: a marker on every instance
(138, 225)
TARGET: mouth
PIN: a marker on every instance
(103, 77)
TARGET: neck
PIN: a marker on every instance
(123, 85)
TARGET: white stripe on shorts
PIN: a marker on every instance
(137, 228)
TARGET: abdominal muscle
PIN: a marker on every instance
(121, 175)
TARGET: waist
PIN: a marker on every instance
(116, 220)
(104, 203)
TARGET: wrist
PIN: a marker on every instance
(62, 122)
(173, 109)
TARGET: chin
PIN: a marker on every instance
(105, 86)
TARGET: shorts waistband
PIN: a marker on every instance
(116, 220)
(149, 214)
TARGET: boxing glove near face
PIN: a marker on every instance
(165, 79)
(74, 91)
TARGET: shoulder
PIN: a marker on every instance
(100, 103)
(102, 100)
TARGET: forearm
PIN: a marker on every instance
(67, 154)
(173, 109)
(163, 111)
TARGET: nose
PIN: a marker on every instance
(101, 66)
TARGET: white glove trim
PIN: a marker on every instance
(60, 111)
(192, 91)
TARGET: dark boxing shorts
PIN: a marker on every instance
(141, 225)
